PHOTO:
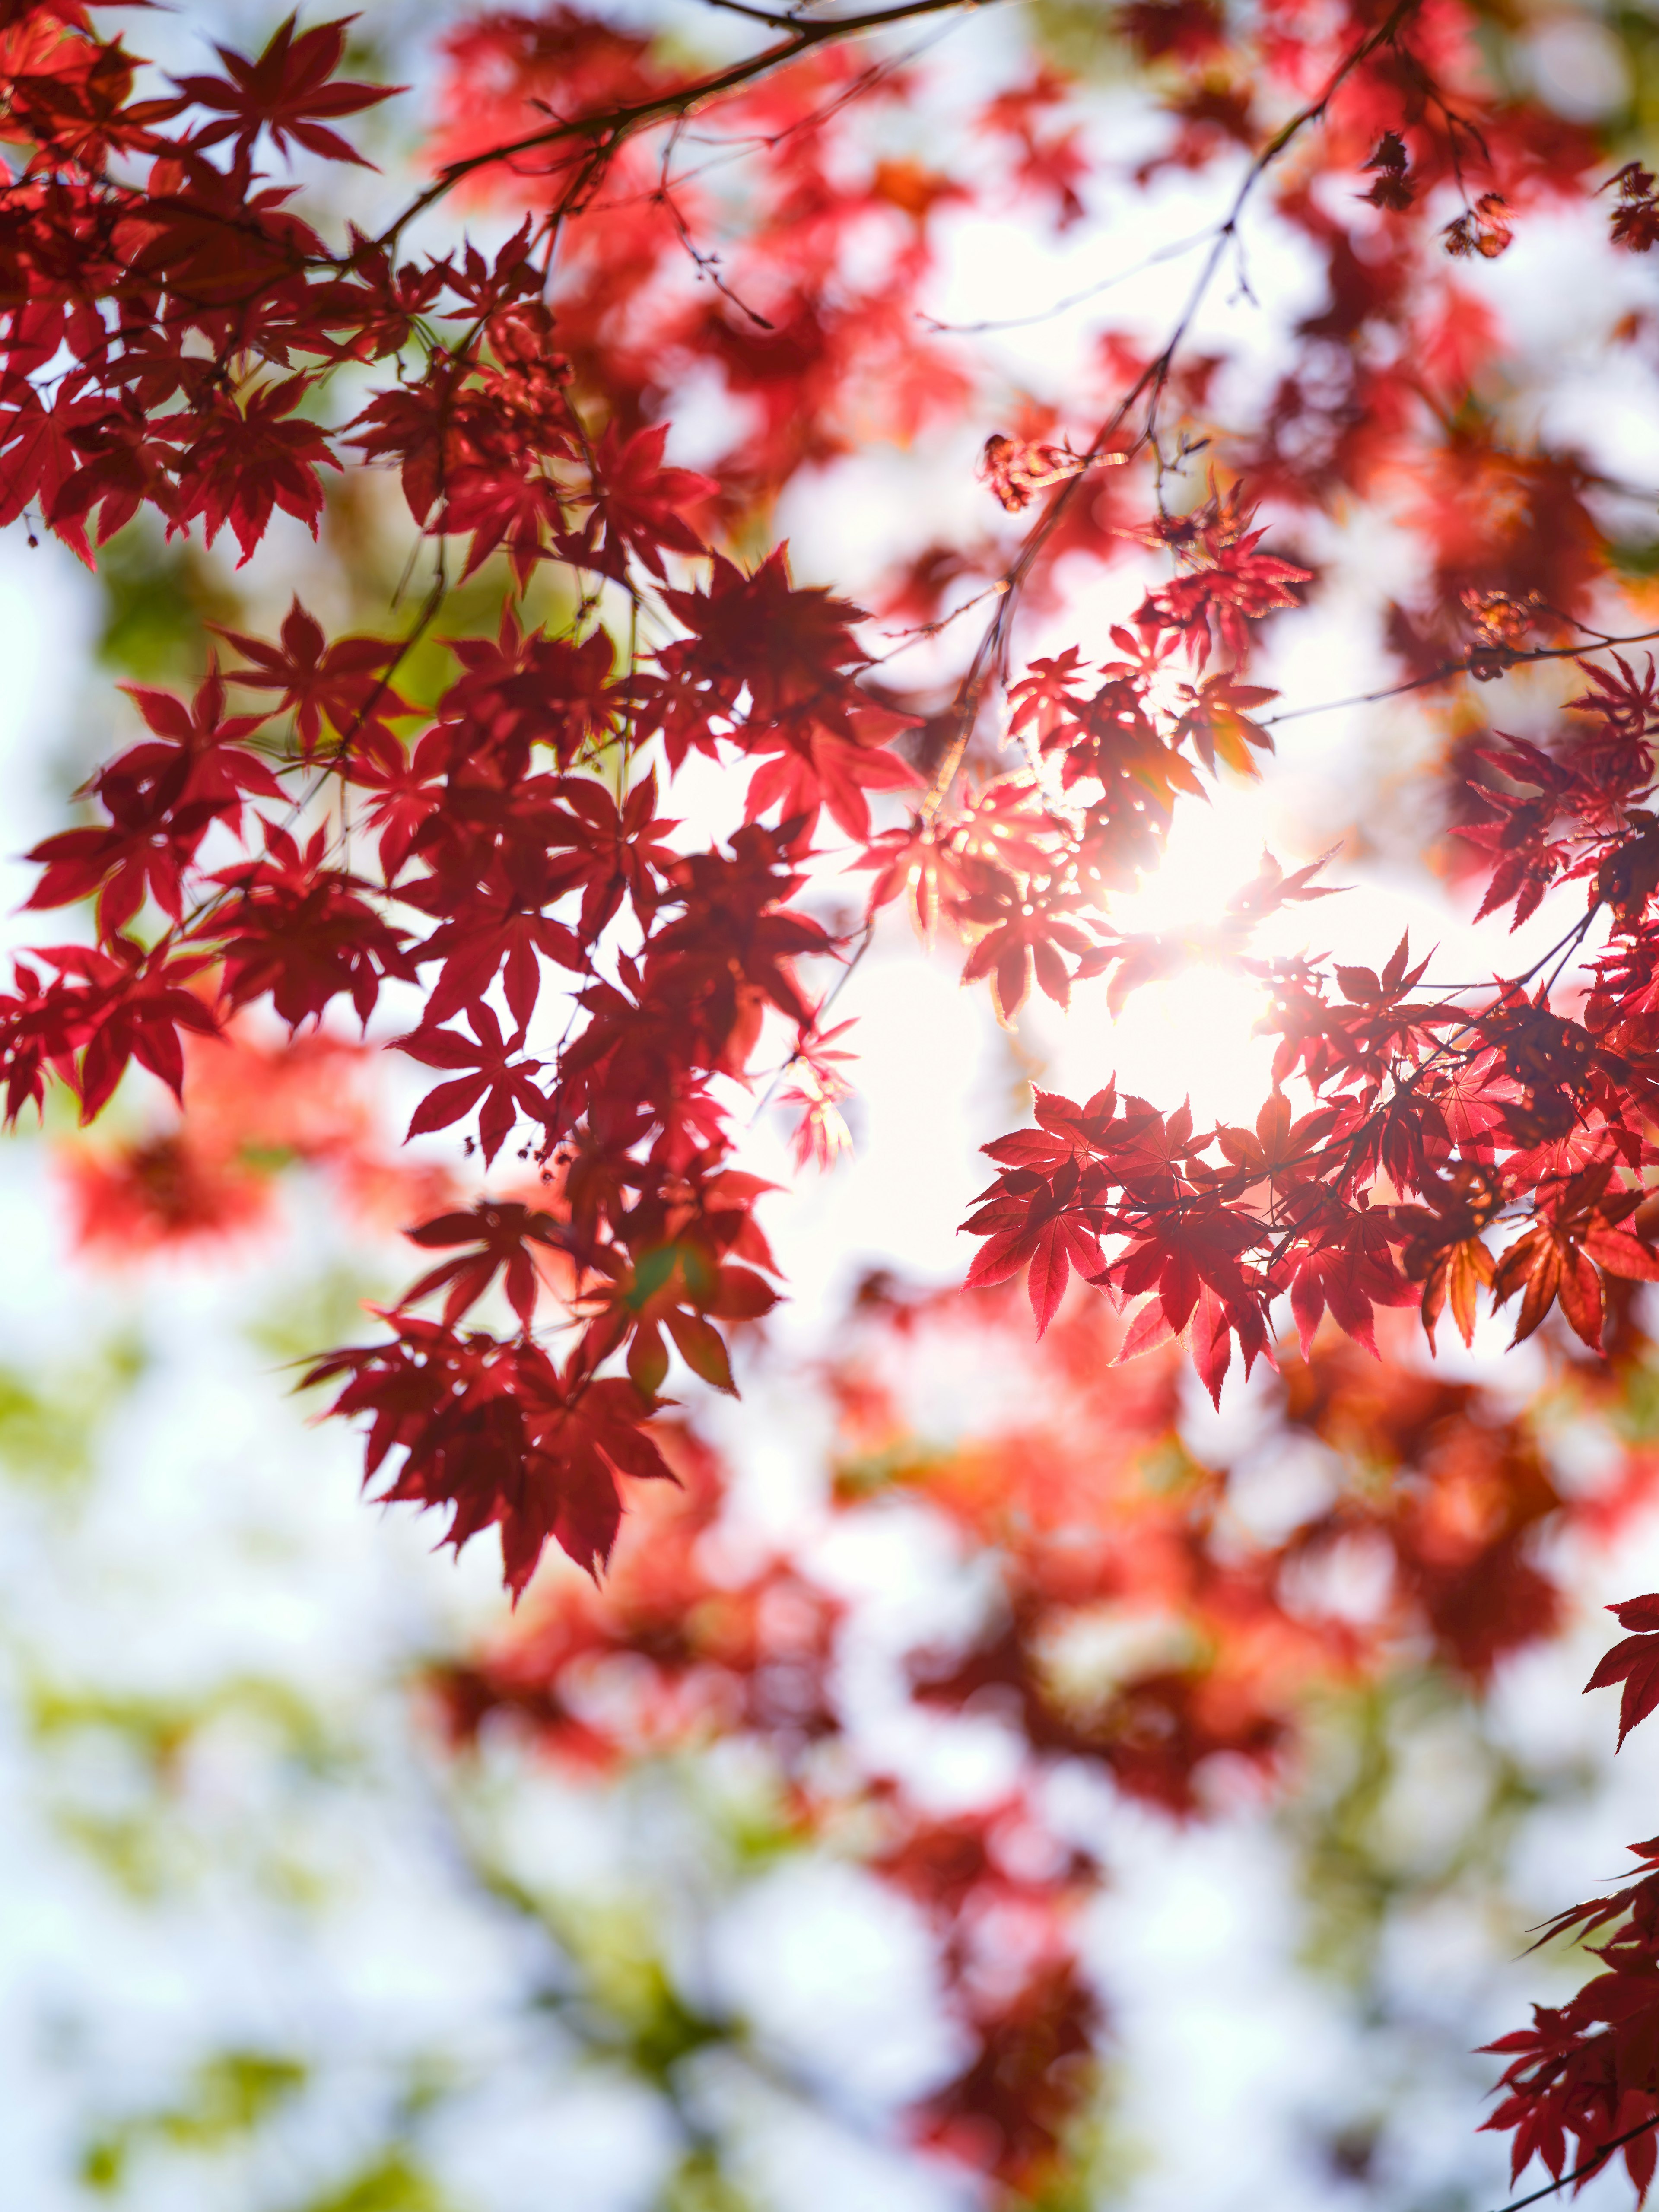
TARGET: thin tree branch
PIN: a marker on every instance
(1581, 2173)
(610, 126)
(993, 648)
(1463, 667)
(1072, 299)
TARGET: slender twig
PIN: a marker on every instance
(1072, 299)
(1461, 667)
(828, 1000)
(1581, 2173)
(992, 654)
(609, 127)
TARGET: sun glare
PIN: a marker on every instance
(1187, 1037)
(1187, 1033)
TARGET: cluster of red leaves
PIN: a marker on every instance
(1132, 1622)
(1586, 2070)
(1447, 1143)
(521, 855)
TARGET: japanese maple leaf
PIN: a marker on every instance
(124, 461)
(150, 842)
(1551, 1264)
(1364, 986)
(1065, 1131)
(132, 1006)
(500, 1235)
(496, 934)
(1045, 704)
(812, 766)
(1043, 1220)
(1346, 1264)
(421, 427)
(679, 1273)
(918, 859)
(40, 1025)
(345, 683)
(408, 788)
(302, 932)
(1456, 1272)
(500, 1436)
(246, 460)
(1525, 857)
(1279, 1150)
(584, 1435)
(1628, 702)
(1023, 936)
(1444, 1248)
(1635, 1662)
(1557, 1258)
(1216, 717)
(523, 690)
(504, 1084)
(1231, 580)
(227, 247)
(735, 933)
(285, 91)
(212, 743)
(162, 795)
(516, 506)
(614, 852)
(1472, 1097)
(673, 1288)
(821, 1132)
(38, 456)
(639, 504)
(788, 646)
(1182, 1252)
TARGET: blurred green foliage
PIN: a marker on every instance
(156, 596)
(323, 1308)
(230, 2104)
(391, 2184)
(1407, 1799)
(50, 1424)
(229, 2098)
(700, 2183)
(122, 1779)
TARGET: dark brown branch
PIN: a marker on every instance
(610, 126)
(1583, 2173)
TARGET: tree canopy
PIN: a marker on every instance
(593, 815)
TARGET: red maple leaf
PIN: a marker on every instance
(284, 91)
(501, 1234)
(639, 505)
(501, 1436)
(246, 460)
(130, 1005)
(1635, 1661)
(303, 932)
(346, 683)
(502, 1083)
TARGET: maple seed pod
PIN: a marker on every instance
(1017, 469)
(1483, 229)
